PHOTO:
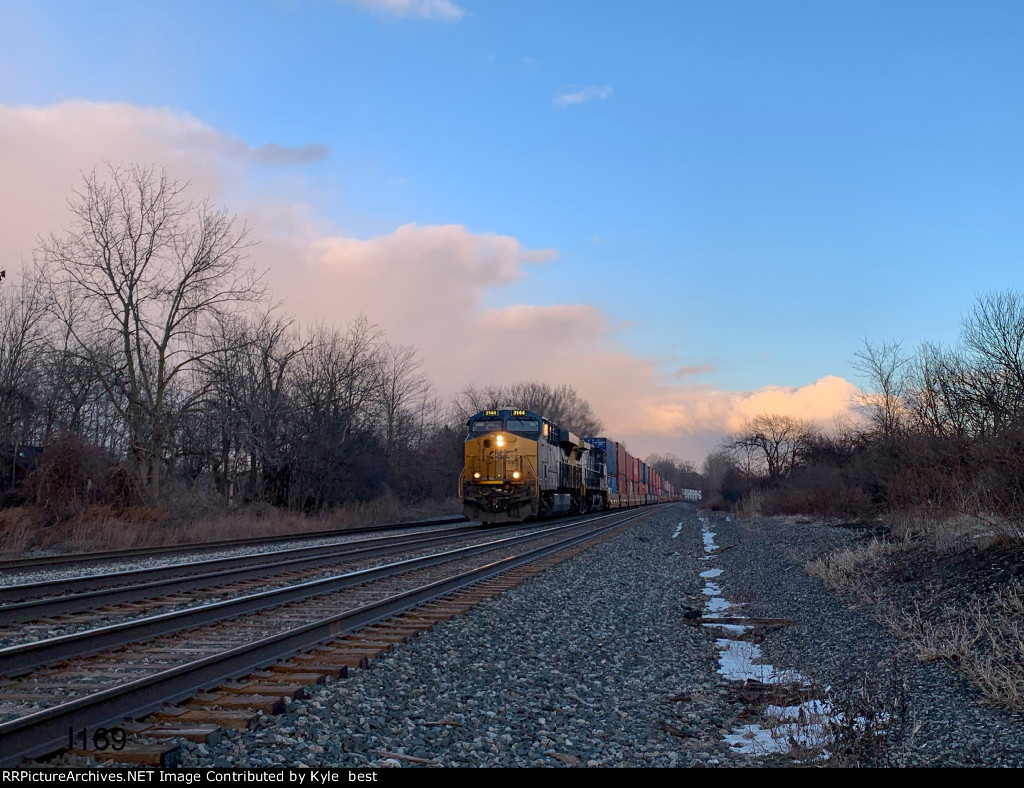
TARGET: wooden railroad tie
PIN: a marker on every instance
(167, 754)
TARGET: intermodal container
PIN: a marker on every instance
(608, 447)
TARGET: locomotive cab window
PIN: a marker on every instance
(485, 425)
(522, 425)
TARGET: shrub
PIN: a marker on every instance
(72, 475)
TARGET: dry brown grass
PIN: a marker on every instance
(22, 529)
(851, 570)
(984, 640)
(976, 627)
(751, 505)
(950, 532)
(797, 519)
(18, 528)
(931, 641)
(967, 525)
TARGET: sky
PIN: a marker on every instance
(692, 212)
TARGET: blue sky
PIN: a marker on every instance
(749, 186)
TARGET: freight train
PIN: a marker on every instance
(518, 466)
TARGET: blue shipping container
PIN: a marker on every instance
(608, 447)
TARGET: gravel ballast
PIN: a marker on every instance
(935, 718)
(602, 661)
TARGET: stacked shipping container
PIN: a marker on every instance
(630, 481)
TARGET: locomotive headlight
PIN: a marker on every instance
(476, 475)
(500, 441)
(515, 474)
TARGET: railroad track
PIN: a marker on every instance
(105, 558)
(109, 674)
(57, 626)
(56, 597)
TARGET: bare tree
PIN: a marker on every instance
(681, 473)
(994, 331)
(473, 400)
(22, 348)
(724, 484)
(402, 394)
(773, 443)
(562, 404)
(250, 403)
(993, 336)
(942, 393)
(334, 456)
(140, 277)
(885, 367)
(570, 410)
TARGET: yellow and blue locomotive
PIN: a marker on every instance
(520, 466)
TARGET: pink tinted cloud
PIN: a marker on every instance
(43, 151)
(424, 285)
(689, 372)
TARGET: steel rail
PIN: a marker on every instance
(46, 730)
(24, 657)
(86, 559)
(145, 583)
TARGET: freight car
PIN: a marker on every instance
(519, 465)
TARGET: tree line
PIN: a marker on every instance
(942, 431)
(140, 350)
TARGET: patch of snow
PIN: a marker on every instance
(755, 740)
(758, 740)
(736, 663)
(806, 711)
(806, 724)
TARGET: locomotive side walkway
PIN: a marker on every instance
(604, 660)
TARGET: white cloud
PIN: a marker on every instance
(424, 9)
(584, 94)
